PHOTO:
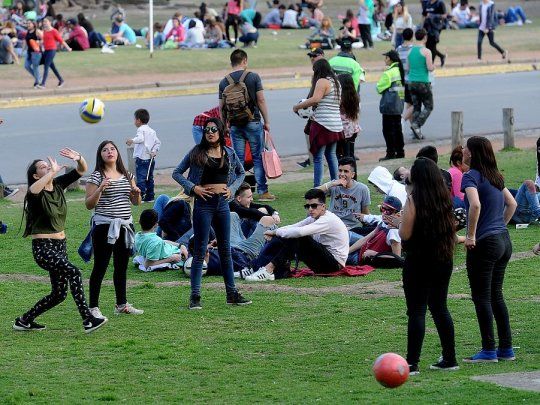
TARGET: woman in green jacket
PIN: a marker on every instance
(390, 86)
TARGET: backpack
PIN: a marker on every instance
(236, 101)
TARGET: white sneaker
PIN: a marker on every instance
(246, 271)
(106, 49)
(127, 308)
(261, 275)
(138, 260)
(96, 313)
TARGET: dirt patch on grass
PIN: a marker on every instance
(528, 381)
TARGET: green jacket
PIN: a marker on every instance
(390, 78)
(344, 64)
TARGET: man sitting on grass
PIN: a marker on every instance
(321, 241)
(250, 213)
(348, 197)
(381, 247)
(152, 248)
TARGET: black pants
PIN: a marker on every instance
(425, 283)
(431, 44)
(233, 20)
(280, 251)
(491, 37)
(74, 45)
(486, 265)
(393, 135)
(102, 256)
(345, 147)
(51, 255)
(365, 34)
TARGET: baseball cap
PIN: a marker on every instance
(315, 52)
(72, 21)
(393, 55)
(392, 203)
(346, 43)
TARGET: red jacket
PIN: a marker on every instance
(79, 34)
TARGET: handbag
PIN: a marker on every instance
(391, 101)
(270, 158)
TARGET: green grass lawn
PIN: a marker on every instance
(296, 346)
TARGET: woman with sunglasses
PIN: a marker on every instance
(490, 207)
(215, 173)
(427, 230)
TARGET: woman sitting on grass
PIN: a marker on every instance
(45, 208)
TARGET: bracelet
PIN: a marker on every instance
(468, 238)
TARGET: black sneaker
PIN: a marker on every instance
(304, 164)
(387, 157)
(417, 133)
(26, 326)
(237, 299)
(445, 365)
(413, 369)
(10, 192)
(195, 302)
(91, 324)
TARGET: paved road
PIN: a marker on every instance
(30, 133)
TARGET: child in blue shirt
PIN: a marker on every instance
(152, 248)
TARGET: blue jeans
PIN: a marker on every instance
(352, 259)
(513, 14)
(251, 245)
(253, 133)
(48, 62)
(96, 39)
(329, 151)
(212, 212)
(32, 66)
(197, 132)
(528, 206)
(146, 186)
(249, 37)
(398, 39)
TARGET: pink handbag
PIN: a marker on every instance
(270, 158)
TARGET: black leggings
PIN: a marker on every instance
(365, 34)
(51, 255)
(431, 44)
(102, 256)
(491, 36)
(233, 20)
(425, 283)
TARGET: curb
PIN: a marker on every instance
(279, 82)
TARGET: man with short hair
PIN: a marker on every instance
(274, 16)
(321, 241)
(430, 152)
(252, 130)
(403, 52)
(420, 65)
(250, 213)
(345, 62)
(125, 34)
(78, 37)
(434, 12)
(348, 197)
(7, 53)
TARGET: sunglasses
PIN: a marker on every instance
(211, 130)
(312, 206)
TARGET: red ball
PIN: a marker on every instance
(391, 370)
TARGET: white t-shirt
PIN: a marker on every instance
(328, 230)
(289, 19)
(462, 16)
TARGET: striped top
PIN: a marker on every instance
(114, 201)
(327, 112)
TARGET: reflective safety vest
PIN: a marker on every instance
(391, 80)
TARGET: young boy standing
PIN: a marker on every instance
(147, 145)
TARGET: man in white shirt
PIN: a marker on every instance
(321, 241)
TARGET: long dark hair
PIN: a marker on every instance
(30, 179)
(100, 163)
(434, 220)
(538, 157)
(483, 160)
(323, 70)
(199, 154)
(350, 101)
(394, 57)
